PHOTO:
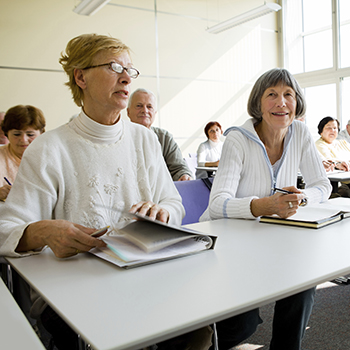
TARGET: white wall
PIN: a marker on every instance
(198, 76)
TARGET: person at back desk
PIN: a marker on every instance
(142, 109)
(327, 163)
(21, 126)
(264, 153)
(209, 152)
(338, 151)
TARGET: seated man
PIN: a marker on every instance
(142, 110)
(345, 134)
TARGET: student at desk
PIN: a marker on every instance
(331, 148)
(209, 152)
(72, 178)
(264, 153)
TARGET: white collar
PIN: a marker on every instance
(214, 144)
(96, 132)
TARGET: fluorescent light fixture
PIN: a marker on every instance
(245, 17)
(89, 7)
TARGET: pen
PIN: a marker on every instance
(7, 181)
(275, 189)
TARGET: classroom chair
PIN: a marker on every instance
(195, 198)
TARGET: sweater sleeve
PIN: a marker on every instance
(162, 186)
(224, 202)
(32, 198)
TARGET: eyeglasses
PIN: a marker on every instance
(116, 67)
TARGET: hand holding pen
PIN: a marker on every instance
(5, 190)
(303, 201)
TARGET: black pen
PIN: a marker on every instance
(275, 189)
(8, 181)
(303, 202)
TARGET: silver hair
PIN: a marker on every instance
(269, 79)
(145, 91)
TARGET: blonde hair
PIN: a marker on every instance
(80, 53)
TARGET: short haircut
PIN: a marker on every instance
(80, 53)
(325, 121)
(21, 117)
(210, 125)
(149, 92)
(273, 78)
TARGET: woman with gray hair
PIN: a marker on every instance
(263, 154)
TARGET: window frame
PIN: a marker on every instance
(326, 76)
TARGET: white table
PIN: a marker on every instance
(209, 169)
(252, 265)
(15, 330)
(338, 176)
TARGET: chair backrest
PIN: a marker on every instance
(195, 198)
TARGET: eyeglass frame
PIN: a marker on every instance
(110, 66)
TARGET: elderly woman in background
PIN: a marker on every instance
(72, 178)
(264, 153)
(209, 152)
(336, 151)
(330, 148)
(21, 125)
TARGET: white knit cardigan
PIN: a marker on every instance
(245, 171)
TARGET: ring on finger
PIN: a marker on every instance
(77, 251)
(149, 206)
(290, 204)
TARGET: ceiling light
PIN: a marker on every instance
(245, 17)
(89, 7)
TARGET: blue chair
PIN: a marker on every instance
(195, 198)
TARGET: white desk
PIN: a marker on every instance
(209, 169)
(253, 264)
(15, 330)
(338, 176)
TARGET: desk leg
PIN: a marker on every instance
(81, 343)
(335, 185)
(215, 337)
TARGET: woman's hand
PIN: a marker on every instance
(4, 192)
(328, 165)
(150, 209)
(185, 177)
(342, 166)
(284, 205)
(63, 237)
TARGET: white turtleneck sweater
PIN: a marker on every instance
(83, 170)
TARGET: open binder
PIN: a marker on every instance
(147, 241)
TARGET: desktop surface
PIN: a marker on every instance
(15, 330)
(252, 264)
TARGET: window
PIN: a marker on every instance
(344, 33)
(316, 34)
(315, 108)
